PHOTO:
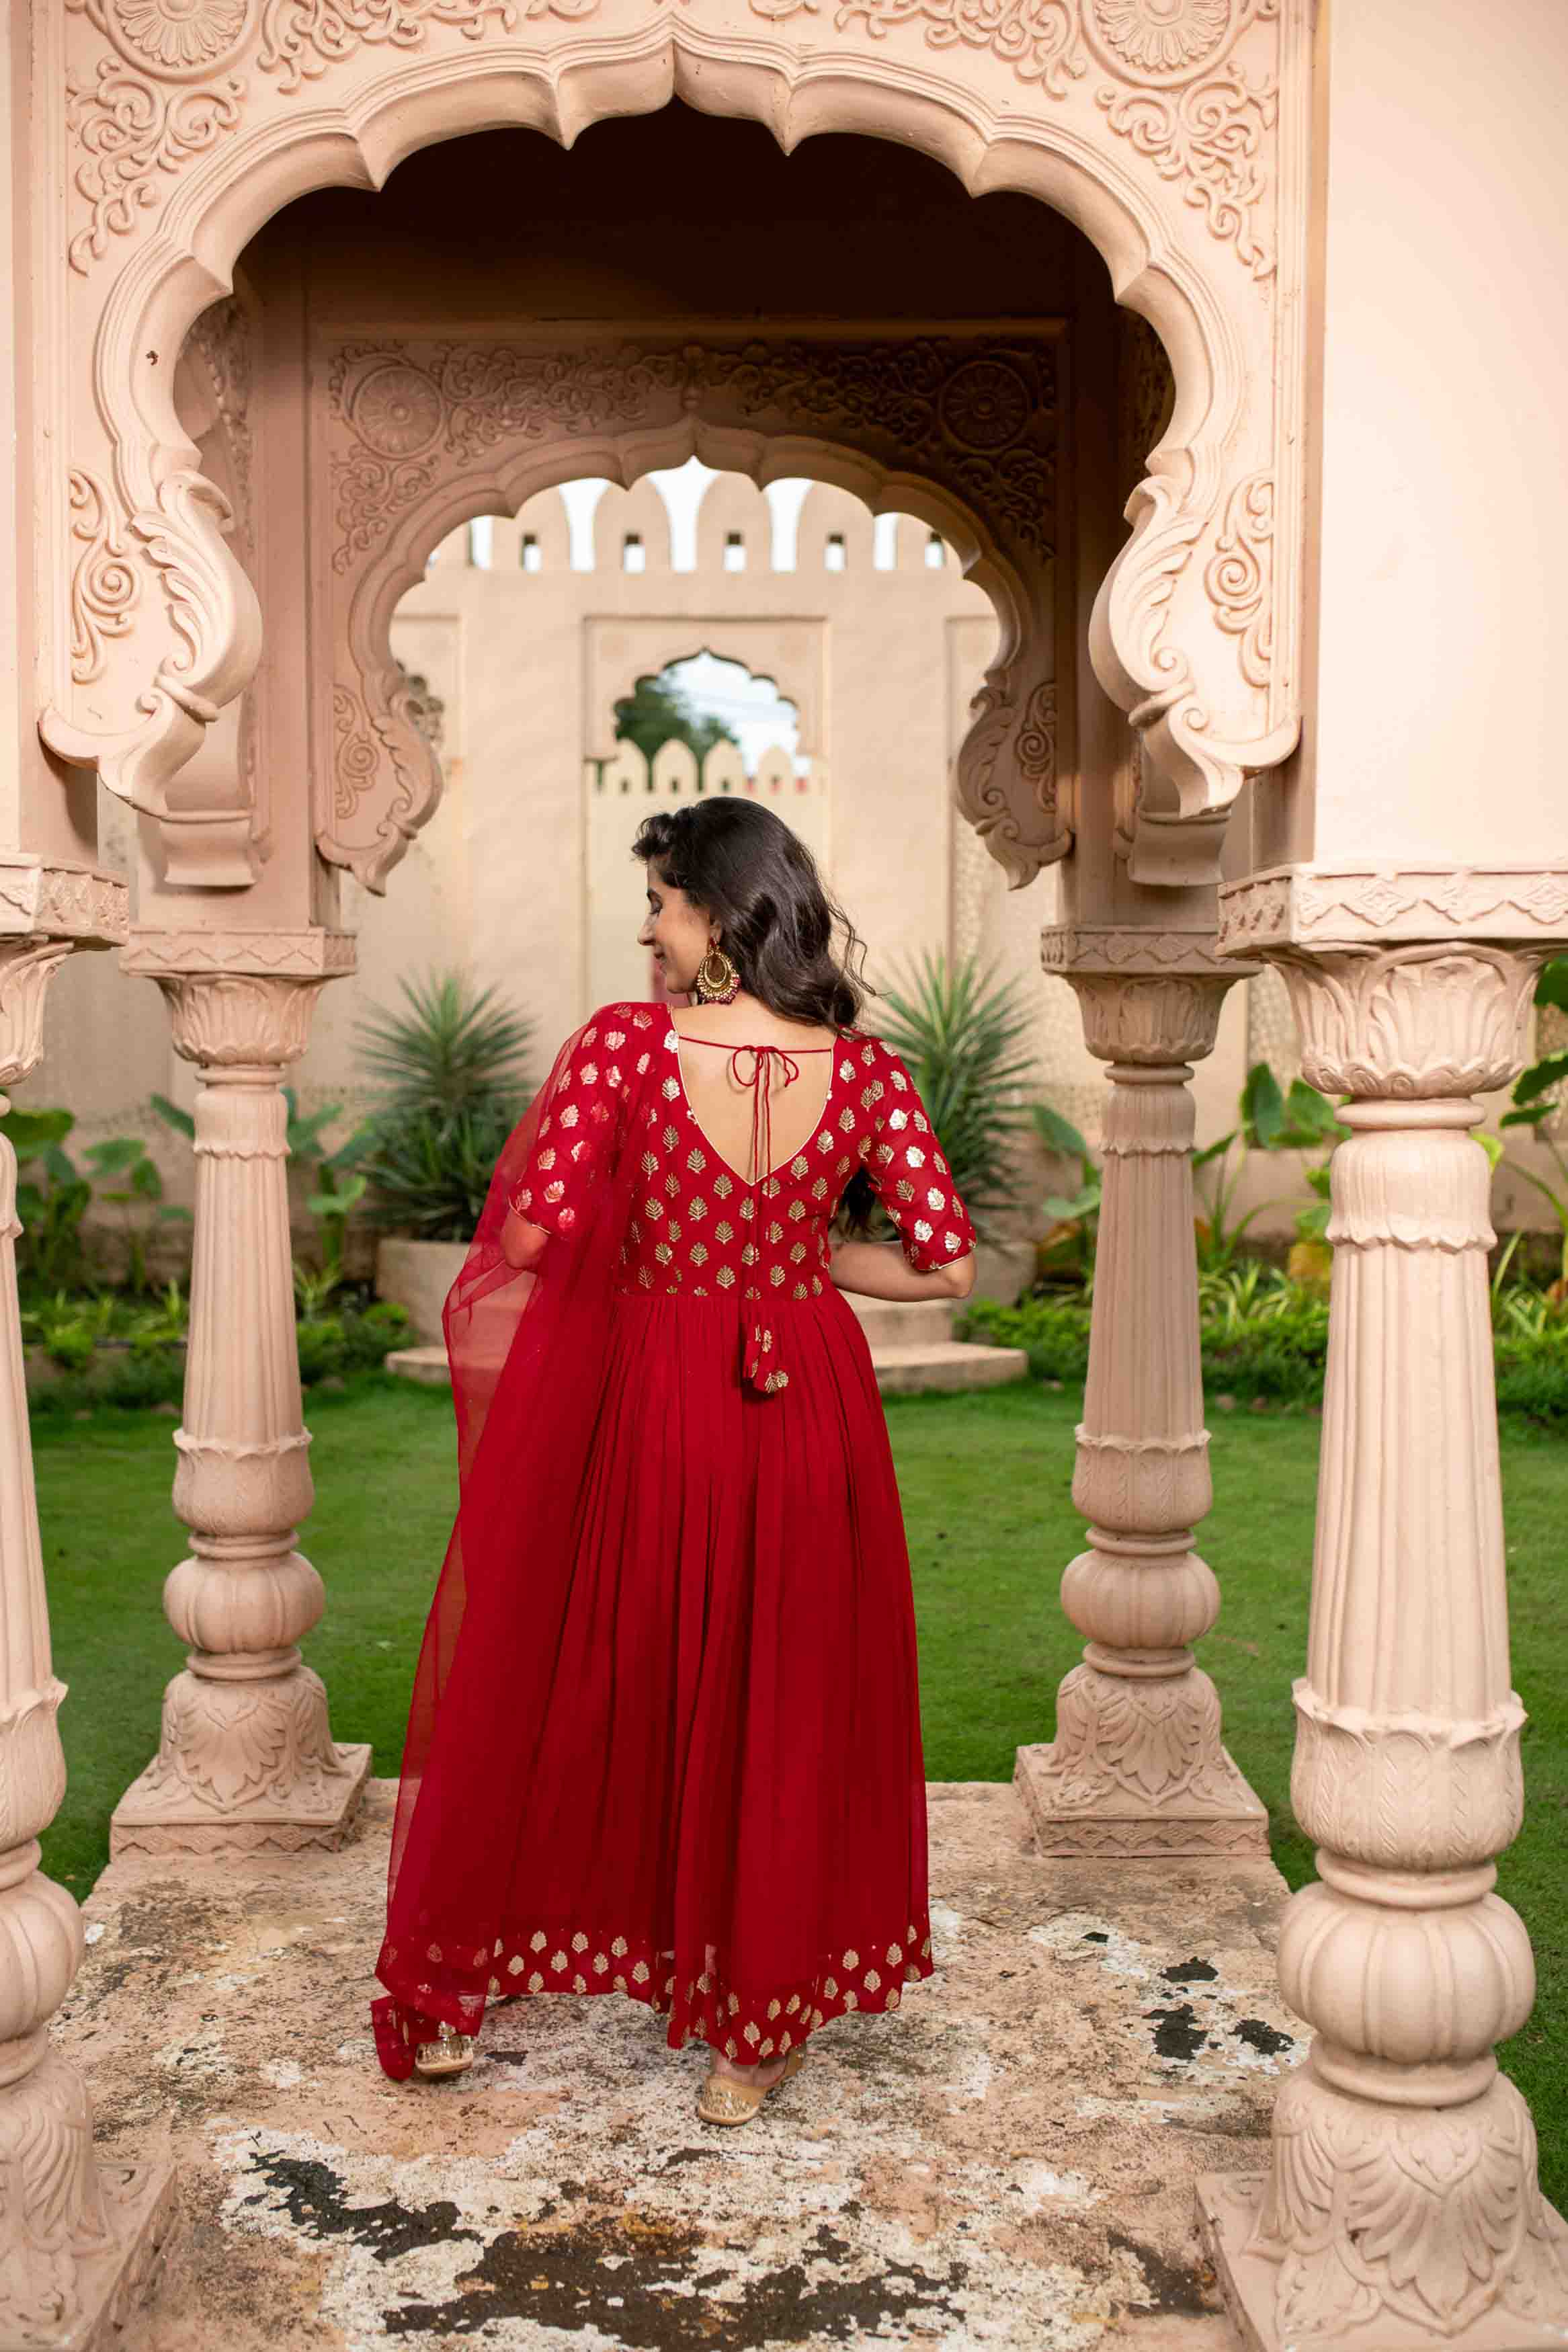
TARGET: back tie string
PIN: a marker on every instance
(758, 1344)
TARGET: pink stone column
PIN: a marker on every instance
(1138, 1764)
(246, 1761)
(1402, 2204)
(79, 2241)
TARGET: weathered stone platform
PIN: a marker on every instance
(1009, 2161)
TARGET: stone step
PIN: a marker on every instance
(900, 1369)
(426, 1365)
(904, 1322)
(950, 1364)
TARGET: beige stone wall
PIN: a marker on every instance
(523, 875)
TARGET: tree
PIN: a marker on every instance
(658, 710)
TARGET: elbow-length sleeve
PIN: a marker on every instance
(577, 1129)
(911, 1176)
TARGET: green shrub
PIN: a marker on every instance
(1263, 1335)
(370, 1335)
(323, 1347)
(354, 1339)
(128, 1378)
(1053, 1332)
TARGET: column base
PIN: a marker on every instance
(244, 1767)
(1230, 1823)
(1228, 2206)
(145, 1822)
(140, 2205)
(81, 2243)
(1137, 1768)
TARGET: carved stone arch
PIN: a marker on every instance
(1172, 136)
(383, 780)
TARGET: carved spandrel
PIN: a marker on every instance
(974, 419)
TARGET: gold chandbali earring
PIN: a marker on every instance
(717, 980)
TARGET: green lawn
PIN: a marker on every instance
(991, 1523)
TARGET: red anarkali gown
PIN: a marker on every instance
(665, 1733)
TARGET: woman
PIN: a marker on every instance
(665, 1736)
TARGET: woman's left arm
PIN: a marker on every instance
(522, 1245)
(873, 1271)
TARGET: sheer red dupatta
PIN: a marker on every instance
(529, 1354)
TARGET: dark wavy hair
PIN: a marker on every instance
(777, 920)
(775, 917)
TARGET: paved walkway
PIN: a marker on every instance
(1005, 2162)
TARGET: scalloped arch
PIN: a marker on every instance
(624, 459)
(1171, 618)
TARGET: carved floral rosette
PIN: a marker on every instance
(1173, 132)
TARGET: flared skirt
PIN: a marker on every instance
(721, 1805)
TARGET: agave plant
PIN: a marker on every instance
(453, 1081)
(453, 1047)
(959, 1032)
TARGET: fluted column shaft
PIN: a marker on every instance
(246, 1758)
(74, 2244)
(1403, 2184)
(1138, 1764)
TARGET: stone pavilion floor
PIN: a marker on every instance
(1007, 2162)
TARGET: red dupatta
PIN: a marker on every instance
(529, 1353)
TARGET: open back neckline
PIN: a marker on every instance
(745, 1045)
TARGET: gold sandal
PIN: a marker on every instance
(723, 2100)
(449, 2053)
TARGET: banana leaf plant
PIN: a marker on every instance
(1074, 1234)
(1532, 1109)
(1270, 1118)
